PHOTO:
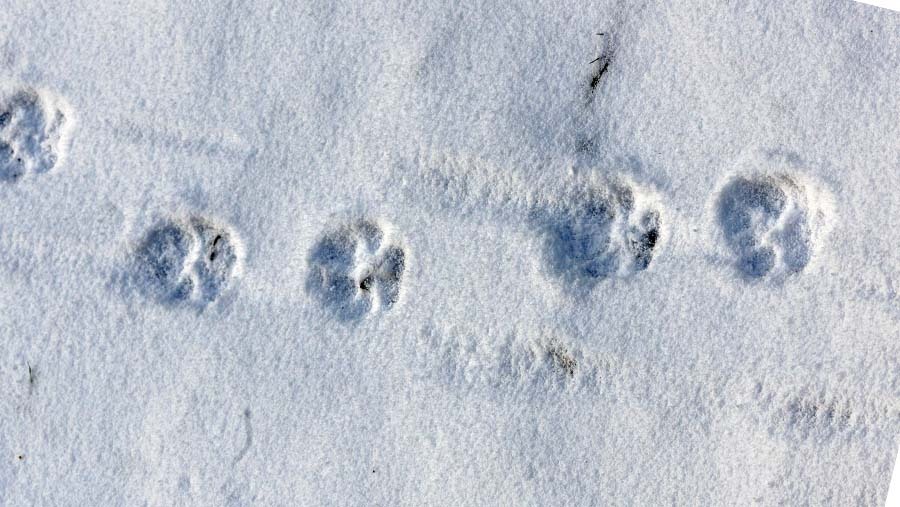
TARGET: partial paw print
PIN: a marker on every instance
(601, 231)
(817, 416)
(517, 364)
(357, 269)
(771, 223)
(800, 413)
(818, 413)
(189, 261)
(35, 127)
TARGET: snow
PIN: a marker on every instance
(496, 253)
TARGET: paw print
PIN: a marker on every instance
(356, 269)
(768, 223)
(190, 261)
(34, 133)
(601, 232)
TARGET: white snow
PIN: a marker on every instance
(443, 253)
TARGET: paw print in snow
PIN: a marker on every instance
(770, 223)
(35, 127)
(190, 261)
(356, 269)
(601, 231)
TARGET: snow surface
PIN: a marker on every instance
(442, 253)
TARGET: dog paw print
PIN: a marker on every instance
(357, 269)
(770, 223)
(190, 261)
(602, 231)
(35, 127)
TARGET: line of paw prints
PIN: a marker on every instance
(35, 127)
(357, 269)
(191, 261)
(771, 224)
(613, 229)
(768, 222)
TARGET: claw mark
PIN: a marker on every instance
(248, 441)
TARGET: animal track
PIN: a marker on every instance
(817, 415)
(602, 231)
(189, 261)
(770, 223)
(357, 269)
(34, 133)
(515, 364)
(800, 414)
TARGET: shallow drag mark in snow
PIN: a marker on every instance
(214, 144)
(772, 223)
(781, 436)
(357, 269)
(249, 441)
(35, 128)
(189, 261)
(599, 231)
(804, 413)
(516, 365)
(194, 438)
(466, 184)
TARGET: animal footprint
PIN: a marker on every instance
(520, 363)
(190, 261)
(35, 127)
(601, 231)
(817, 415)
(770, 223)
(356, 269)
(801, 413)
